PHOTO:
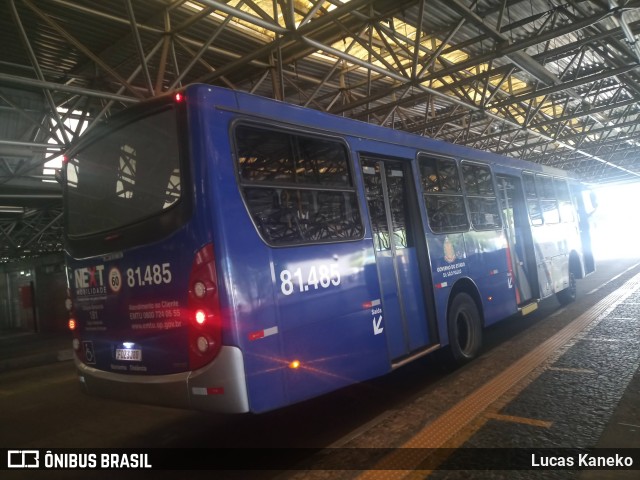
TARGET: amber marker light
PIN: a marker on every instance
(72, 324)
(295, 364)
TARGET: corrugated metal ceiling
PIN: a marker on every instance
(555, 82)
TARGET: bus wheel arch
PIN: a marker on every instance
(464, 323)
(569, 294)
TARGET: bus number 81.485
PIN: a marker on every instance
(149, 275)
(322, 276)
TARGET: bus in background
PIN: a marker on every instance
(230, 253)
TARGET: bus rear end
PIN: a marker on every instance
(145, 301)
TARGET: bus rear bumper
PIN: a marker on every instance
(217, 387)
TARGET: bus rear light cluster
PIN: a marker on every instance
(205, 326)
(74, 326)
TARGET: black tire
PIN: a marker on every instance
(465, 329)
(568, 295)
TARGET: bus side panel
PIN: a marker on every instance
(256, 326)
(310, 304)
(569, 234)
(244, 271)
(489, 268)
(283, 316)
(390, 301)
(449, 264)
(560, 259)
(546, 244)
(412, 291)
(481, 258)
(330, 328)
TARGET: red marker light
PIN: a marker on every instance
(179, 97)
(201, 317)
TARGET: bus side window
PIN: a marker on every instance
(548, 201)
(532, 198)
(564, 200)
(443, 195)
(481, 197)
(298, 188)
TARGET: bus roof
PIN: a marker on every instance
(298, 116)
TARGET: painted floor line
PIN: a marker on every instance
(572, 370)
(614, 278)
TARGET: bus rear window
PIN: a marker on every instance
(125, 176)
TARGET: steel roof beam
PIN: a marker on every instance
(16, 81)
(562, 87)
(80, 46)
(498, 53)
(139, 47)
(288, 37)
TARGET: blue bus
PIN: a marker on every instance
(231, 253)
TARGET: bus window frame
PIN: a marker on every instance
(541, 199)
(494, 185)
(422, 192)
(562, 203)
(301, 132)
(527, 199)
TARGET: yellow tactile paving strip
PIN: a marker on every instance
(436, 434)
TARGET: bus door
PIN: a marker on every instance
(402, 265)
(520, 240)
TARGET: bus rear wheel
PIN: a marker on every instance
(465, 329)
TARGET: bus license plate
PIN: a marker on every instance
(128, 354)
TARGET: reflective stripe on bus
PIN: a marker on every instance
(207, 391)
(372, 303)
(263, 333)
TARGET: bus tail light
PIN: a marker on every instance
(74, 326)
(205, 324)
(200, 316)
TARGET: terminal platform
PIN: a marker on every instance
(568, 381)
